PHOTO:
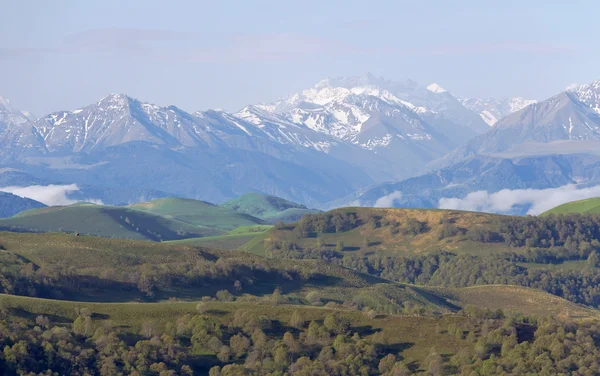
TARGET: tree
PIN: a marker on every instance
(83, 326)
(435, 363)
(593, 260)
(148, 329)
(202, 307)
(339, 247)
(386, 364)
(224, 296)
(297, 321)
(224, 354)
(239, 344)
(42, 321)
(336, 324)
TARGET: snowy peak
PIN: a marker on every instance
(340, 106)
(435, 88)
(491, 110)
(588, 94)
(113, 120)
(10, 117)
(4, 102)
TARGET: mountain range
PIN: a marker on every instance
(312, 147)
(335, 141)
(548, 144)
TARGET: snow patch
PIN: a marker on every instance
(435, 88)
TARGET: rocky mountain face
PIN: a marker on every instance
(312, 147)
(544, 145)
(10, 117)
(351, 109)
(122, 142)
(491, 110)
(566, 123)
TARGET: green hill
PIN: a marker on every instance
(198, 213)
(105, 221)
(114, 270)
(351, 291)
(587, 206)
(104, 269)
(387, 231)
(233, 239)
(270, 208)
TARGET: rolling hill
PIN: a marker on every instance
(105, 221)
(198, 213)
(587, 206)
(123, 263)
(270, 208)
(203, 305)
(387, 231)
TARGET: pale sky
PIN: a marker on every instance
(59, 55)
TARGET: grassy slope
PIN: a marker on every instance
(270, 208)
(587, 206)
(234, 239)
(382, 239)
(520, 299)
(198, 213)
(93, 256)
(118, 259)
(106, 221)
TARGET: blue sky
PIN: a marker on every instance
(224, 54)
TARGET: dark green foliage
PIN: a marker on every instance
(247, 344)
(330, 222)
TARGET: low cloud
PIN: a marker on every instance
(538, 200)
(50, 195)
(388, 201)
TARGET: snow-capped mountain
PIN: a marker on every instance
(588, 94)
(371, 112)
(118, 119)
(212, 155)
(567, 123)
(492, 110)
(339, 111)
(9, 116)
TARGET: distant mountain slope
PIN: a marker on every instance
(571, 116)
(480, 173)
(9, 116)
(105, 221)
(269, 208)
(587, 206)
(118, 140)
(11, 205)
(198, 213)
(492, 110)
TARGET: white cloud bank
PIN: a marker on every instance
(539, 200)
(50, 195)
(388, 200)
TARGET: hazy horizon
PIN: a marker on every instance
(201, 55)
